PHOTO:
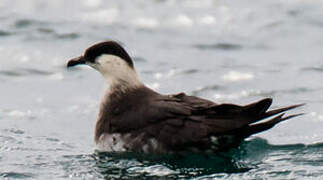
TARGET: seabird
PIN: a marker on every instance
(135, 118)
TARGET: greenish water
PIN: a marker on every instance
(245, 162)
(254, 159)
(225, 51)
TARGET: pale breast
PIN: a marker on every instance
(127, 142)
(117, 142)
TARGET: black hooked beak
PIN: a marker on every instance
(76, 61)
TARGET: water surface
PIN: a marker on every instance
(238, 51)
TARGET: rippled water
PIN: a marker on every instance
(237, 51)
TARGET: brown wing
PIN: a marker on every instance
(179, 121)
(195, 120)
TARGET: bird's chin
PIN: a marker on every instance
(93, 65)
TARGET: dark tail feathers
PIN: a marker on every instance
(254, 128)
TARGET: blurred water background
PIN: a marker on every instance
(226, 51)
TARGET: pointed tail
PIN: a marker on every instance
(259, 127)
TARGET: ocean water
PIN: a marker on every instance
(226, 51)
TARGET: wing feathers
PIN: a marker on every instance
(257, 108)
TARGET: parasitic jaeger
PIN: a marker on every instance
(135, 118)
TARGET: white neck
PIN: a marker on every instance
(117, 74)
(121, 84)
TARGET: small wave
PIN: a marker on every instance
(315, 69)
(5, 33)
(32, 72)
(52, 139)
(219, 46)
(10, 73)
(36, 71)
(295, 90)
(15, 131)
(190, 71)
(23, 23)
(23, 72)
(16, 175)
(67, 36)
(45, 30)
(294, 12)
(261, 145)
(49, 31)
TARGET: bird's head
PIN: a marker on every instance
(111, 60)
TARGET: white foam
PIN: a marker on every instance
(39, 100)
(241, 94)
(183, 20)
(19, 114)
(158, 75)
(155, 170)
(56, 76)
(145, 22)
(237, 76)
(208, 20)
(168, 74)
(171, 73)
(317, 117)
(199, 3)
(106, 16)
(16, 113)
(92, 3)
(24, 59)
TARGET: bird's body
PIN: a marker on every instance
(135, 118)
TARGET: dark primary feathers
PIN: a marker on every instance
(184, 123)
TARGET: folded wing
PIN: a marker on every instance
(194, 122)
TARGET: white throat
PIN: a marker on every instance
(117, 74)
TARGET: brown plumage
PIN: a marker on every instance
(183, 123)
(135, 118)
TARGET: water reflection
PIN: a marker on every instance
(137, 165)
